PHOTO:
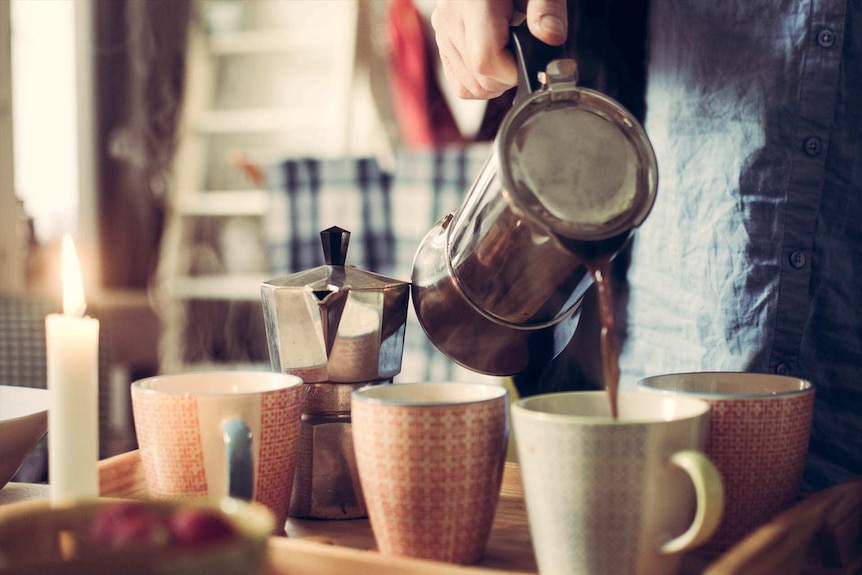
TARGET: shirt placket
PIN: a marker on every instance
(816, 109)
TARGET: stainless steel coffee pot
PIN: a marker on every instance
(497, 286)
(339, 328)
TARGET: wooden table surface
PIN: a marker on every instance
(820, 536)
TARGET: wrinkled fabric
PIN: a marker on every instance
(752, 256)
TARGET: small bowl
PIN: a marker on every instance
(23, 422)
(135, 537)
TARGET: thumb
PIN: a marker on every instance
(548, 20)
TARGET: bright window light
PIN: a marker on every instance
(44, 118)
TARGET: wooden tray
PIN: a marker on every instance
(331, 547)
(822, 535)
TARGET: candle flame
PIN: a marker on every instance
(73, 286)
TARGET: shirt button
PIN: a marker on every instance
(812, 146)
(782, 369)
(826, 38)
(798, 259)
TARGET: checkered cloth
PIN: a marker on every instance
(387, 212)
(23, 362)
(22, 339)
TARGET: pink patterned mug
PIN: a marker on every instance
(430, 458)
(218, 434)
(758, 439)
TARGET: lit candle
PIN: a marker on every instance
(73, 384)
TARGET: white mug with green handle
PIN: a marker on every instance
(608, 496)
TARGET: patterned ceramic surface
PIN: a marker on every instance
(430, 459)
(178, 423)
(615, 496)
(758, 439)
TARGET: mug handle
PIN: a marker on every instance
(709, 493)
(238, 448)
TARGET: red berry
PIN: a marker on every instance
(123, 524)
(198, 526)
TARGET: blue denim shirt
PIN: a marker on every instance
(752, 257)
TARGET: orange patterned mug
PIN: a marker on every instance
(758, 439)
(211, 435)
(430, 458)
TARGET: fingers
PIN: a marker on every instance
(472, 78)
(548, 20)
(471, 38)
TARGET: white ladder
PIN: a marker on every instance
(313, 43)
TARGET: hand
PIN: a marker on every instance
(472, 36)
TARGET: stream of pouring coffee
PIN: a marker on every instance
(600, 268)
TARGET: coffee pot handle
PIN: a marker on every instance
(709, 493)
(531, 57)
(238, 447)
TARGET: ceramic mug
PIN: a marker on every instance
(430, 458)
(758, 439)
(607, 496)
(218, 434)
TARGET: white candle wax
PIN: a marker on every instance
(73, 385)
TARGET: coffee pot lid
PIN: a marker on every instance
(572, 157)
(334, 275)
